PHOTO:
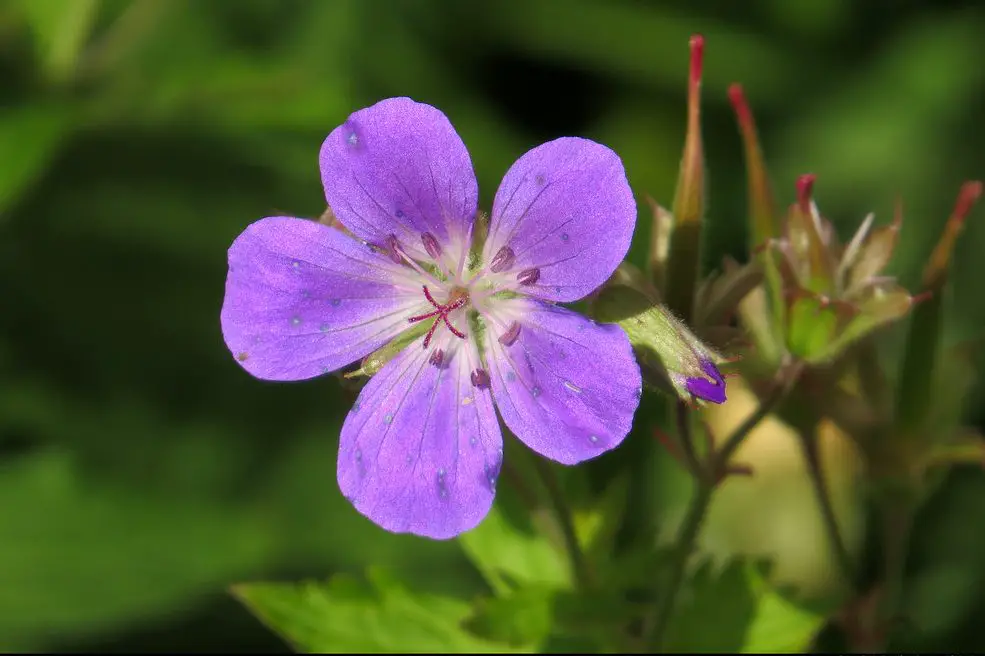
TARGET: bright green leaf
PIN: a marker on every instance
(29, 137)
(346, 615)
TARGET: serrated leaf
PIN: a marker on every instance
(346, 615)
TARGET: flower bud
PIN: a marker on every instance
(671, 356)
(684, 255)
(768, 334)
(915, 397)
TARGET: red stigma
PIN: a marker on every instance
(440, 314)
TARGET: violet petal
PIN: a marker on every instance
(421, 450)
(303, 299)
(398, 167)
(567, 387)
(565, 208)
(709, 390)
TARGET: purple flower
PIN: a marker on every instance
(421, 450)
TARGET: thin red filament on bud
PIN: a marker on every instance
(440, 313)
(805, 189)
(967, 197)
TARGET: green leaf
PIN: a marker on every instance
(735, 610)
(347, 615)
(83, 558)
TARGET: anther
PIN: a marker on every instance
(392, 246)
(480, 378)
(528, 276)
(431, 245)
(507, 338)
(437, 357)
(502, 260)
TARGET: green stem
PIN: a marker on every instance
(579, 564)
(655, 629)
(842, 555)
(655, 626)
(898, 520)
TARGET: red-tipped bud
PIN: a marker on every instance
(762, 217)
(689, 197)
(805, 191)
(688, 208)
(697, 44)
(762, 209)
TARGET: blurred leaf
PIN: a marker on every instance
(736, 611)
(60, 31)
(348, 616)
(598, 525)
(30, 135)
(523, 618)
(83, 558)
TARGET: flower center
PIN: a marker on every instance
(458, 297)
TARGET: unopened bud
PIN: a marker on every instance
(688, 208)
(672, 356)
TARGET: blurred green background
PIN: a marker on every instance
(142, 471)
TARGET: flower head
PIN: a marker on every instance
(421, 449)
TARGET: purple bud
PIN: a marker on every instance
(528, 276)
(480, 378)
(431, 245)
(437, 357)
(709, 390)
(502, 260)
(507, 338)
